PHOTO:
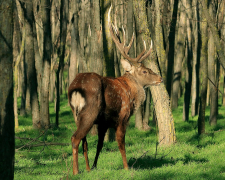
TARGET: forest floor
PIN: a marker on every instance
(48, 154)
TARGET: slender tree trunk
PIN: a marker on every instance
(63, 32)
(46, 63)
(204, 74)
(7, 132)
(171, 48)
(74, 58)
(188, 78)
(180, 52)
(212, 81)
(145, 126)
(223, 87)
(195, 66)
(16, 61)
(24, 86)
(130, 25)
(31, 71)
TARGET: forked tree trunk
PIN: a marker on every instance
(159, 94)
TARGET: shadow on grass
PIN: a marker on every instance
(148, 162)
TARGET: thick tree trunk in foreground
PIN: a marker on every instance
(7, 133)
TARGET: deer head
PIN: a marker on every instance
(134, 66)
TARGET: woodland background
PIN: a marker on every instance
(48, 42)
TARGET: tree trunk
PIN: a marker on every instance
(17, 54)
(139, 118)
(30, 59)
(171, 48)
(7, 133)
(24, 86)
(145, 126)
(204, 74)
(17, 62)
(211, 23)
(63, 32)
(74, 58)
(180, 52)
(46, 63)
(108, 69)
(159, 94)
(223, 87)
(212, 81)
(38, 46)
(159, 41)
(188, 78)
(195, 66)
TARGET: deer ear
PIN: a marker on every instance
(126, 65)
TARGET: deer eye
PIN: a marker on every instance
(144, 72)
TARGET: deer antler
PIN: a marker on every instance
(121, 46)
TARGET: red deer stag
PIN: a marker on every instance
(109, 102)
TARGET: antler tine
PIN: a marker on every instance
(121, 46)
(126, 49)
(124, 37)
(147, 54)
(115, 26)
(111, 27)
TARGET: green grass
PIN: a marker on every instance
(192, 157)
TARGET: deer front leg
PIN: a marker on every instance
(120, 137)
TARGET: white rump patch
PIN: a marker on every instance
(77, 101)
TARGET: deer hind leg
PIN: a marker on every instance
(101, 135)
(84, 125)
(85, 150)
(120, 137)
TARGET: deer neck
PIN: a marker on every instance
(137, 95)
